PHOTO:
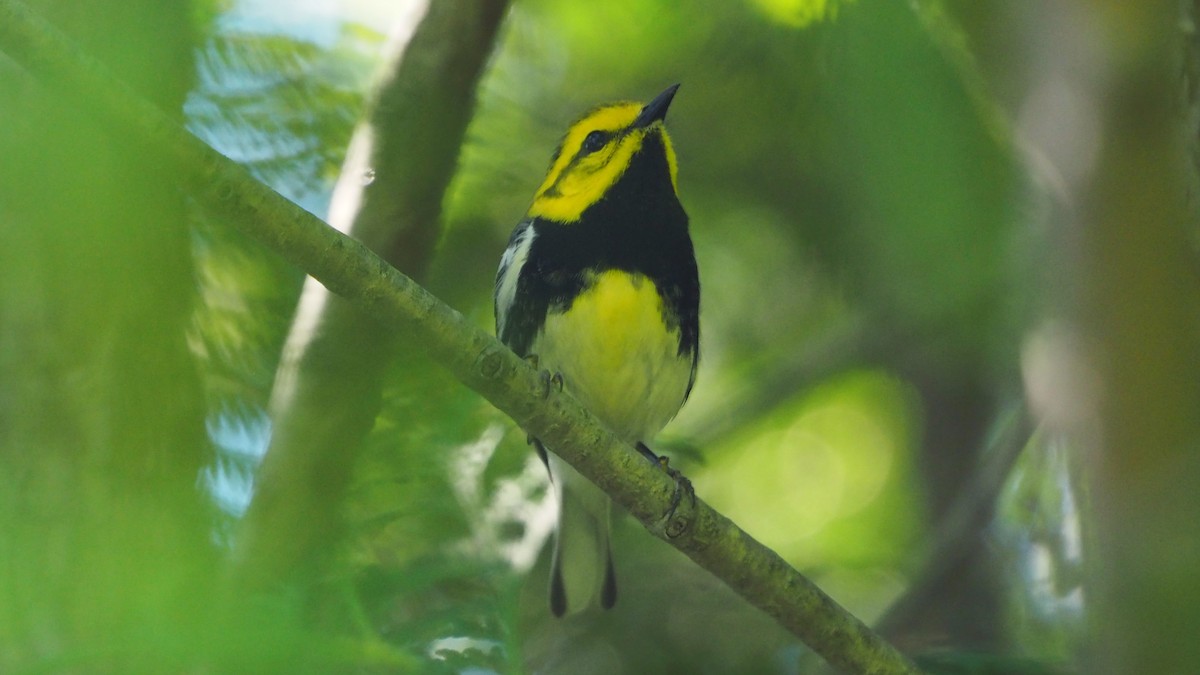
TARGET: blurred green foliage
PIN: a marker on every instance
(1042, 532)
(833, 467)
(860, 228)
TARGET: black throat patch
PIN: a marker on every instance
(638, 226)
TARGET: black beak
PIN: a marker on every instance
(656, 110)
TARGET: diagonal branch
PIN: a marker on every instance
(959, 535)
(348, 268)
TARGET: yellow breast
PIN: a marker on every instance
(617, 354)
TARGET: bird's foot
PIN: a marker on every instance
(548, 380)
(676, 521)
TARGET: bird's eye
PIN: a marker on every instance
(594, 142)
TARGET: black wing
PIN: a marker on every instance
(517, 317)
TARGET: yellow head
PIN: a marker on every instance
(596, 152)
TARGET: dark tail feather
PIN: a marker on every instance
(608, 594)
(558, 592)
(581, 570)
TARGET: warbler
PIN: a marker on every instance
(599, 283)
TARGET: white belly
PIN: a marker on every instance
(617, 355)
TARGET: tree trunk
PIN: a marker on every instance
(327, 392)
